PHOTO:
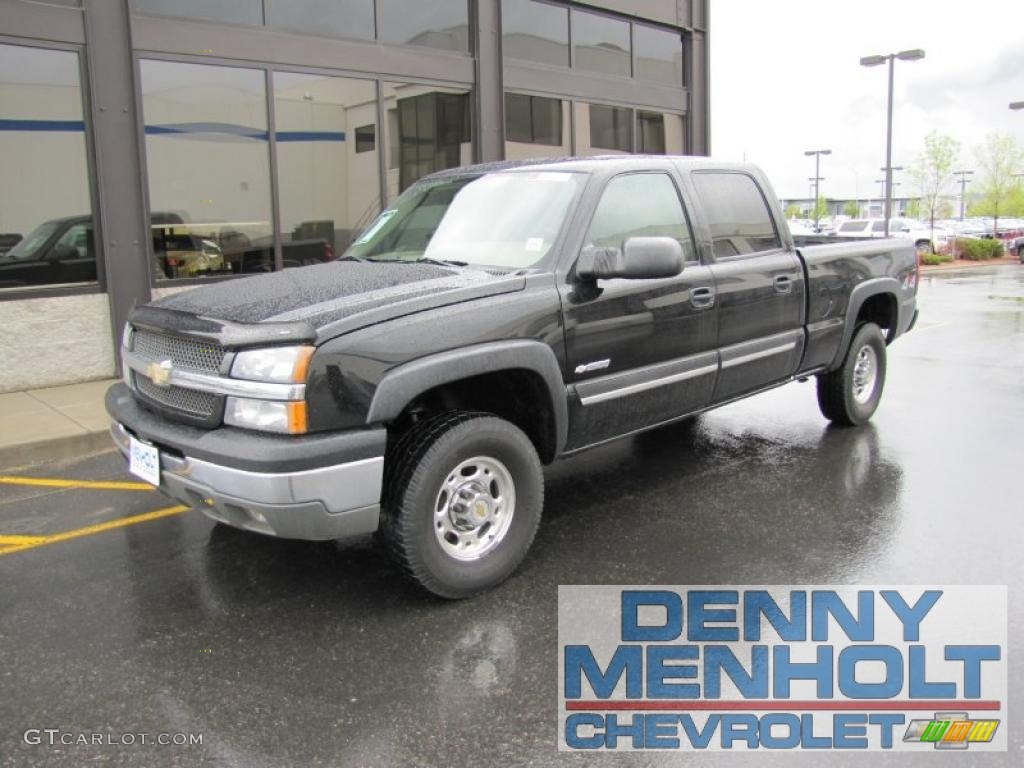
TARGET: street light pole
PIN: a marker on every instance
(873, 61)
(963, 188)
(888, 149)
(817, 177)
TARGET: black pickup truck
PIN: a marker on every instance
(494, 319)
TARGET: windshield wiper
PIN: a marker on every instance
(442, 262)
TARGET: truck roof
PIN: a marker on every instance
(590, 164)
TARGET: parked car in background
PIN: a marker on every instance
(925, 240)
(8, 240)
(57, 251)
(797, 227)
(186, 255)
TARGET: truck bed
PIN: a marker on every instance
(833, 269)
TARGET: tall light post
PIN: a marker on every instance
(817, 177)
(912, 54)
(964, 181)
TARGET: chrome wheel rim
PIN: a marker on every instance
(865, 374)
(474, 507)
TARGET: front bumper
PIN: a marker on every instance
(325, 487)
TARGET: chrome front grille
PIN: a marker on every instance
(190, 401)
(187, 354)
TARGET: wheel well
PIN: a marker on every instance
(879, 309)
(518, 395)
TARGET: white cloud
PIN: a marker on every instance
(785, 77)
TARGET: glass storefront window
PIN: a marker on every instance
(603, 130)
(46, 227)
(208, 163)
(535, 126)
(659, 133)
(329, 18)
(535, 31)
(659, 55)
(440, 24)
(600, 44)
(233, 11)
(428, 130)
(327, 168)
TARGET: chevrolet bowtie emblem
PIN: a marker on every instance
(160, 373)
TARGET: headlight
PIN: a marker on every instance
(280, 364)
(268, 415)
(126, 345)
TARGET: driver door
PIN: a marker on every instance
(639, 352)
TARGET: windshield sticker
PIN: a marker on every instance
(375, 227)
(535, 244)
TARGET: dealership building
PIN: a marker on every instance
(151, 145)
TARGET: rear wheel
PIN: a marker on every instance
(850, 395)
(462, 502)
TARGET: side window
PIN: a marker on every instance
(79, 237)
(878, 226)
(737, 214)
(640, 205)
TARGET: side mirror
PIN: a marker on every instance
(62, 252)
(640, 258)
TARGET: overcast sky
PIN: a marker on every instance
(785, 77)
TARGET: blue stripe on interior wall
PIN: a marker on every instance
(42, 125)
(310, 136)
(242, 131)
(223, 129)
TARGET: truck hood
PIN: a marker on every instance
(328, 299)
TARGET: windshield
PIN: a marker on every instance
(36, 239)
(505, 219)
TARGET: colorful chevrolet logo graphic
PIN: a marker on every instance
(951, 730)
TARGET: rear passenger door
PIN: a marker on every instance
(758, 282)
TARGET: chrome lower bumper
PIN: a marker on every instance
(325, 503)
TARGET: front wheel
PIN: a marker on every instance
(850, 395)
(462, 502)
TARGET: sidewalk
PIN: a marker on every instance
(53, 423)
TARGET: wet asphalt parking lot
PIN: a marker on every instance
(292, 653)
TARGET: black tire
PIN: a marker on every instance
(417, 468)
(924, 247)
(838, 398)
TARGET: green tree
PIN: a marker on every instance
(913, 209)
(819, 211)
(792, 211)
(852, 209)
(932, 172)
(999, 158)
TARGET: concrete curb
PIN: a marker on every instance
(964, 264)
(54, 449)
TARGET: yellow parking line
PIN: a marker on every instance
(47, 482)
(10, 541)
(90, 530)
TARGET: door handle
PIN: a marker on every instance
(783, 284)
(702, 298)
